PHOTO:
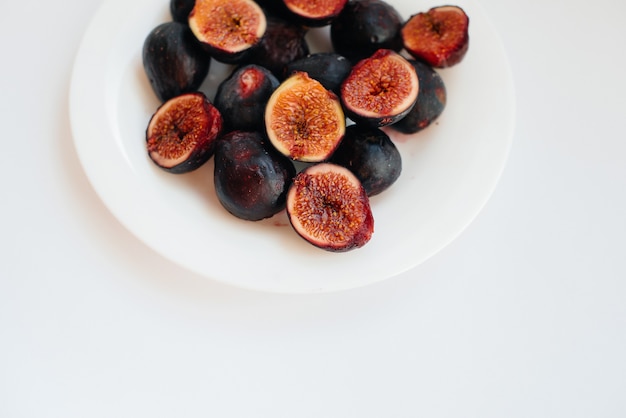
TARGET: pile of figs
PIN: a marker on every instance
(290, 129)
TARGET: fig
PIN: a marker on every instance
(228, 29)
(282, 43)
(303, 120)
(328, 68)
(380, 90)
(173, 60)
(180, 10)
(371, 155)
(439, 37)
(314, 13)
(182, 132)
(365, 26)
(328, 207)
(251, 178)
(241, 97)
(430, 103)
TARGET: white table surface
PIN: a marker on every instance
(524, 315)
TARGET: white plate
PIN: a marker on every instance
(449, 170)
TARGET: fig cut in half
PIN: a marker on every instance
(328, 207)
(304, 121)
(439, 37)
(181, 134)
(228, 28)
(315, 13)
(380, 90)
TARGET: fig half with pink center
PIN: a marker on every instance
(315, 13)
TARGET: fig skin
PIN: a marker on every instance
(241, 98)
(365, 26)
(371, 155)
(228, 29)
(173, 60)
(328, 207)
(251, 178)
(304, 121)
(180, 10)
(430, 104)
(329, 68)
(314, 14)
(182, 132)
(282, 43)
(380, 90)
(439, 37)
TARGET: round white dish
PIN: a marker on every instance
(449, 170)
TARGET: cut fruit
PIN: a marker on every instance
(439, 37)
(181, 134)
(304, 121)
(315, 13)
(328, 207)
(227, 28)
(380, 90)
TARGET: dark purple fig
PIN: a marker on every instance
(241, 98)
(282, 43)
(380, 90)
(328, 68)
(328, 207)
(228, 29)
(182, 132)
(431, 100)
(371, 155)
(439, 37)
(303, 120)
(180, 9)
(314, 13)
(365, 26)
(173, 60)
(251, 178)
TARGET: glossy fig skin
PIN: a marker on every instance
(173, 60)
(371, 155)
(430, 103)
(329, 68)
(180, 9)
(241, 97)
(251, 178)
(365, 26)
(182, 133)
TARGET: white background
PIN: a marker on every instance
(524, 315)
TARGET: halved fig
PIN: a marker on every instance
(181, 133)
(328, 207)
(173, 60)
(251, 177)
(227, 28)
(439, 36)
(371, 155)
(304, 121)
(380, 90)
(315, 13)
(431, 100)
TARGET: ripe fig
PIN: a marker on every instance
(181, 133)
(173, 60)
(328, 207)
(304, 121)
(365, 26)
(180, 9)
(430, 103)
(228, 28)
(328, 68)
(380, 90)
(371, 155)
(314, 13)
(282, 43)
(251, 178)
(241, 97)
(440, 36)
